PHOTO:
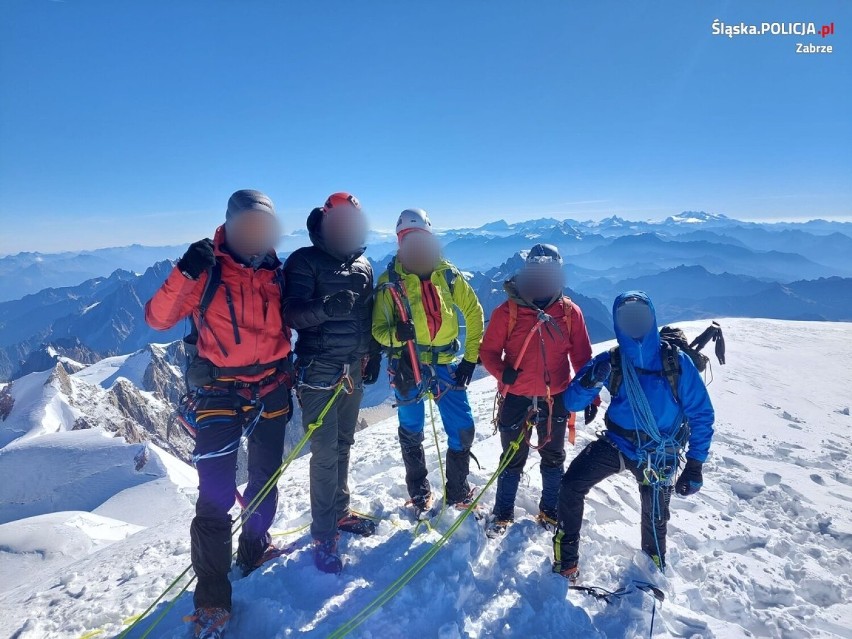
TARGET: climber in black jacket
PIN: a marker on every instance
(328, 301)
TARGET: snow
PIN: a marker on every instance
(49, 474)
(107, 371)
(39, 408)
(765, 549)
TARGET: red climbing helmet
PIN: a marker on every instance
(341, 200)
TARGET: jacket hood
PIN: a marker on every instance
(645, 352)
(511, 288)
(314, 226)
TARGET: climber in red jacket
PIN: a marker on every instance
(531, 344)
(239, 376)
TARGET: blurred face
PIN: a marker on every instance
(634, 318)
(253, 233)
(419, 253)
(540, 281)
(345, 229)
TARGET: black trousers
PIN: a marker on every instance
(597, 461)
(330, 443)
(515, 408)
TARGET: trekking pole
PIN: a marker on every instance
(391, 591)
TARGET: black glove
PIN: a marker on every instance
(370, 374)
(690, 480)
(510, 375)
(590, 413)
(339, 304)
(597, 374)
(464, 373)
(405, 331)
(403, 374)
(197, 259)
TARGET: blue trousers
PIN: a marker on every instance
(457, 418)
(453, 406)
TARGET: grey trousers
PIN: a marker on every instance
(330, 443)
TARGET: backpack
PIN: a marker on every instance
(567, 306)
(671, 368)
(676, 336)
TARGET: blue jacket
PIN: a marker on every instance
(645, 353)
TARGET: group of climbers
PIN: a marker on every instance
(242, 303)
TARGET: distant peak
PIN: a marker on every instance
(695, 217)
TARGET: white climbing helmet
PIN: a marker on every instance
(412, 220)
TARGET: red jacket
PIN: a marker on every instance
(256, 302)
(562, 351)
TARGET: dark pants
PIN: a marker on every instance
(512, 414)
(220, 419)
(330, 443)
(596, 462)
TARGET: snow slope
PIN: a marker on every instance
(764, 550)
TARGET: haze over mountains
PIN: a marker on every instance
(88, 305)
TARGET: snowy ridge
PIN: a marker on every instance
(764, 550)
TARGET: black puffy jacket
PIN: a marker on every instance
(313, 273)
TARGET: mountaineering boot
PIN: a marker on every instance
(210, 623)
(246, 567)
(497, 527)
(547, 520)
(420, 506)
(571, 573)
(326, 556)
(356, 524)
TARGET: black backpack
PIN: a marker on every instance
(678, 338)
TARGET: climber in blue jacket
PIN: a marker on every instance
(659, 409)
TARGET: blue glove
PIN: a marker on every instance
(597, 374)
(690, 480)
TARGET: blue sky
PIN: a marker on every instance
(133, 121)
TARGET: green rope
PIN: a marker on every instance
(431, 399)
(247, 512)
(391, 591)
(293, 531)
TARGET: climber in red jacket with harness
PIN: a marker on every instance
(239, 379)
(531, 343)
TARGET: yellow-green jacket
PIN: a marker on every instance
(440, 350)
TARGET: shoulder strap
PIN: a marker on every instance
(513, 316)
(617, 375)
(567, 314)
(393, 276)
(671, 366)
(450, 274)
(214, 279)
